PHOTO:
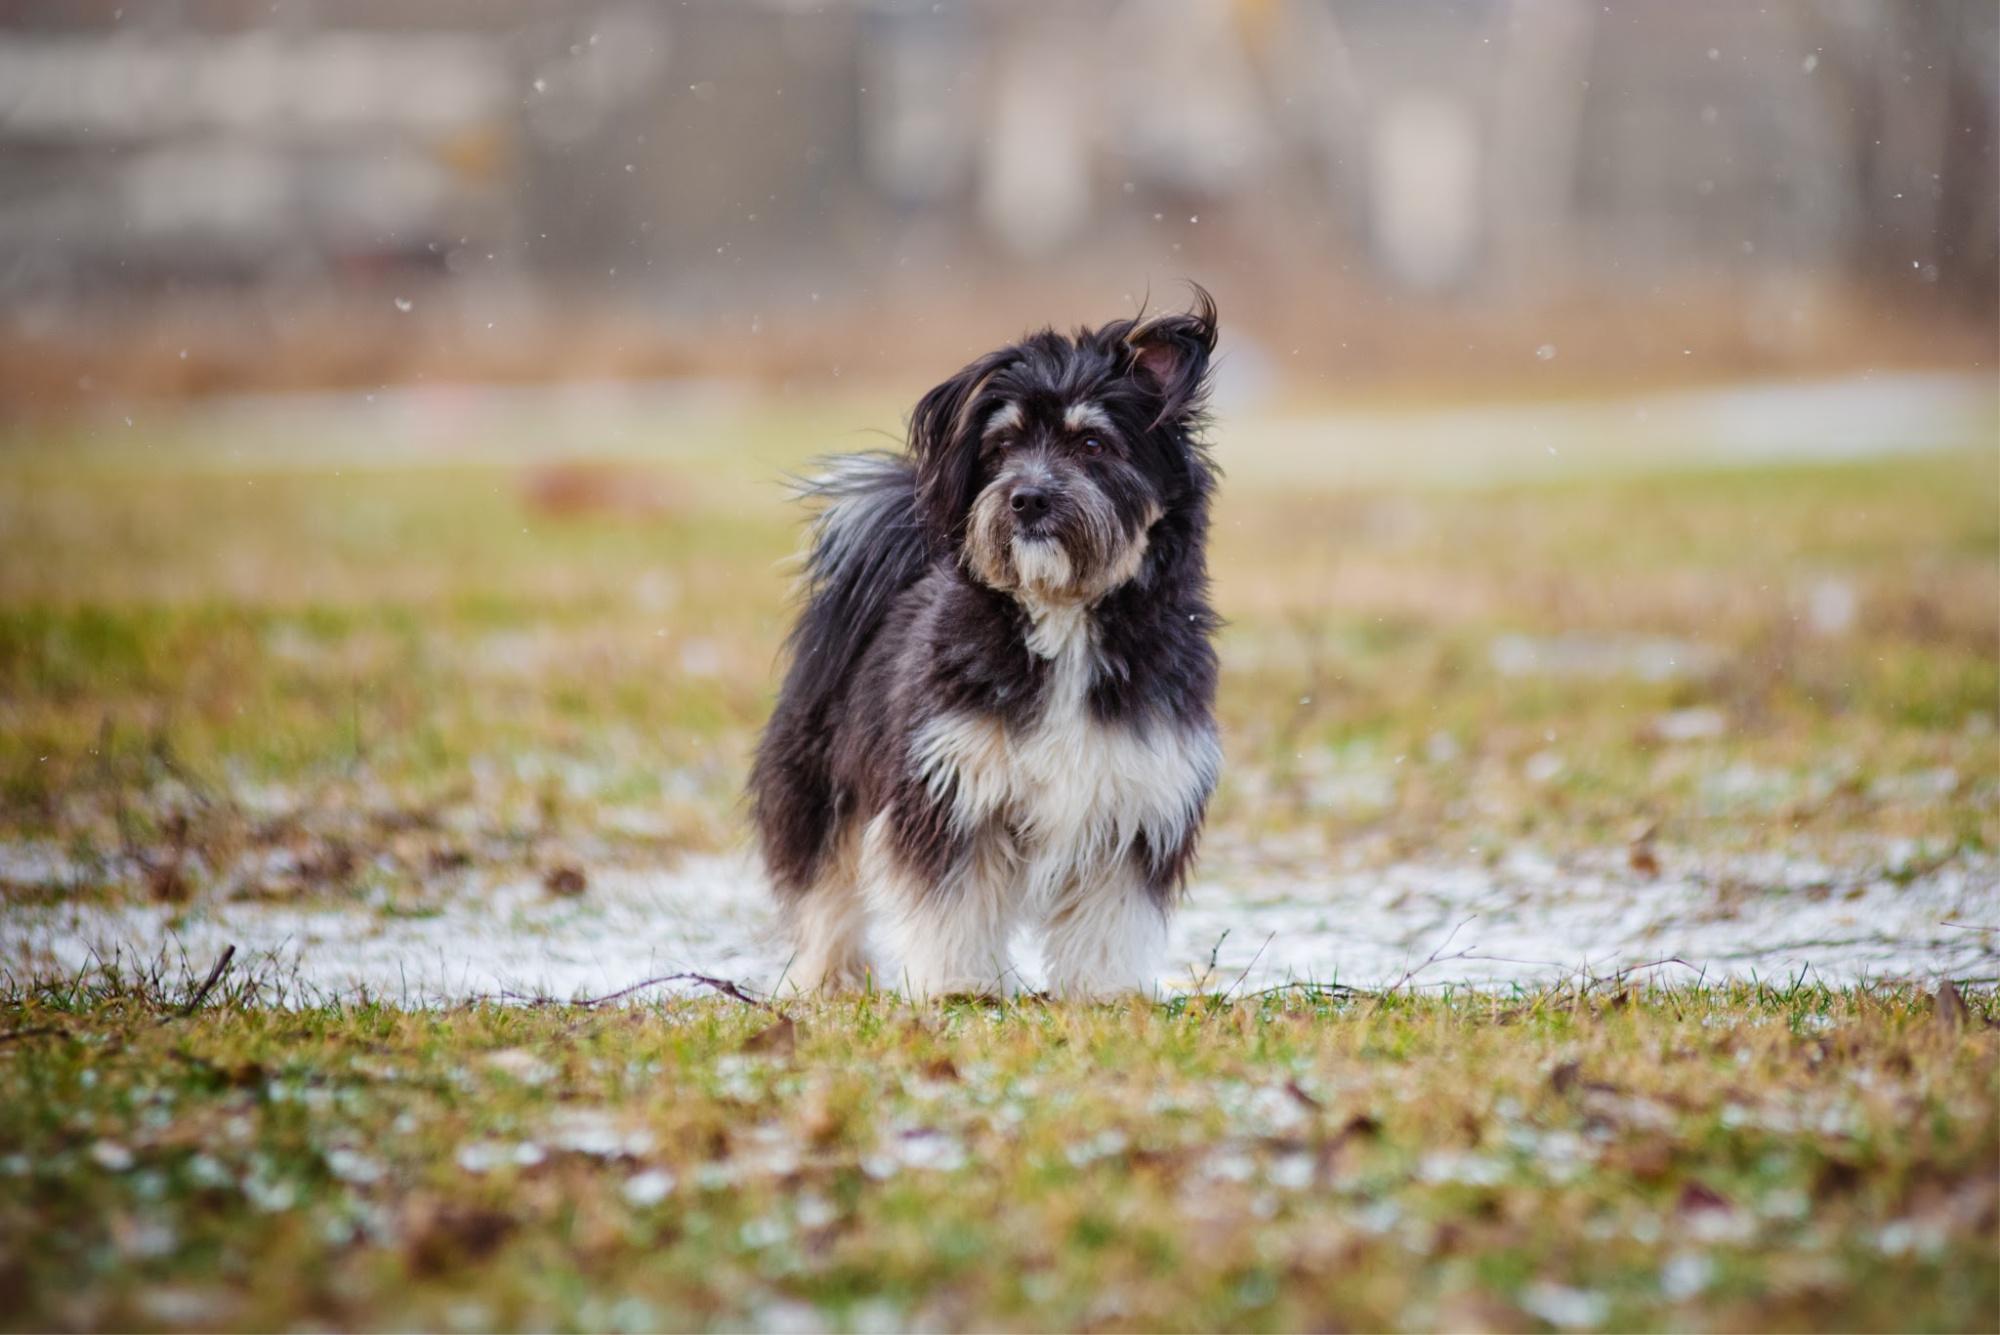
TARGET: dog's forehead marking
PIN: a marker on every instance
(1086, 414)
(1007, 417)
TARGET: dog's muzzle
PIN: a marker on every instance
(1033, 508)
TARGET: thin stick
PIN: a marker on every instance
(1245, 975)
(1433, 957)
(1341, 989)
(1201, 983)
(722, 985)
(214, 977)
(1619, 975)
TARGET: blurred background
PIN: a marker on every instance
(395, 397)
(1481, 196)
(395, 402)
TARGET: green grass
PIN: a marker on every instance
(1753, 1158)
(398, 678)
(240, 653)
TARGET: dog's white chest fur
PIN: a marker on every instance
(1070, 792)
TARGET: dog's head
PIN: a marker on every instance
(1047, 466)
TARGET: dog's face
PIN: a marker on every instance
(1046, 466)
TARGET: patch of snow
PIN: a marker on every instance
(1685, 1275)
(1526, 920)
(1477, 1170)
(1854, 417)
(1292, 1171)
(38, 862)
(111, 1156)
(354, 1167)
(1596, 656)
(1832, 606)
(648, 1188)
(1690, 725)
(916, 1147)
(483, 1156)
(597, 1133)
(522, 1065)
(175, 1305)
(1569, 1308)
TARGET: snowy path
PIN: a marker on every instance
(1749, 422)
(1526, 921)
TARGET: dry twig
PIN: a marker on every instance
(208, 984)
(722, 985)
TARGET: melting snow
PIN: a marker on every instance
(1526, 920)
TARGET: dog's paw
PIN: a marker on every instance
(961, 988)
(829, 982)
(1101, 993)
(982, 997)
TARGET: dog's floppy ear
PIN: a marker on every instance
(1171, 355)
(944, 440)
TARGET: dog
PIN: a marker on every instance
(999, 708)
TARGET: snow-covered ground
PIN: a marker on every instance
(1750, 423)
(1525, 921)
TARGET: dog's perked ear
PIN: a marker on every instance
(944, 439)
(1171, 354)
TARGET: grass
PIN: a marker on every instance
(1748, 1157)
(502, 663)
(231, 669)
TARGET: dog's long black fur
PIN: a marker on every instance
(850, 587)
(922, 604)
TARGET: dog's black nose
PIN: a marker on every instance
(1030, 502)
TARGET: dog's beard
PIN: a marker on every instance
(1087, 554)
(1042, 566)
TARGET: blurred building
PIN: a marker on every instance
(704, 150)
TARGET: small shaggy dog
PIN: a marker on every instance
(999, 706)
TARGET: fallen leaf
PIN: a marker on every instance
(441, 1238)
(569, 490)
(1609, 1106)
(1306, 1100)
(1647, 1160)
(1698, 1196)
(1836, 1177)
(940, 1067)
(780, 1039)
(331, 864)
(248, 1075)
(1167, 1158)
(565, 882)
(1563, 1079)
(1640, 852)
(1361, 1126)
(821, 1122)
(166, 884)
(1474, 1311)
(1951, 1013)
(449, 859)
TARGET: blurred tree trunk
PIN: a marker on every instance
(1538, 121)
(1968, 213)
(1915, 88)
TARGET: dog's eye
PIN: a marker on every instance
(1092, 445)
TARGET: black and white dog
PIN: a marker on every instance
(999, 706)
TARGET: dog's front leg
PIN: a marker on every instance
(1105, 935)
(948, 931)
